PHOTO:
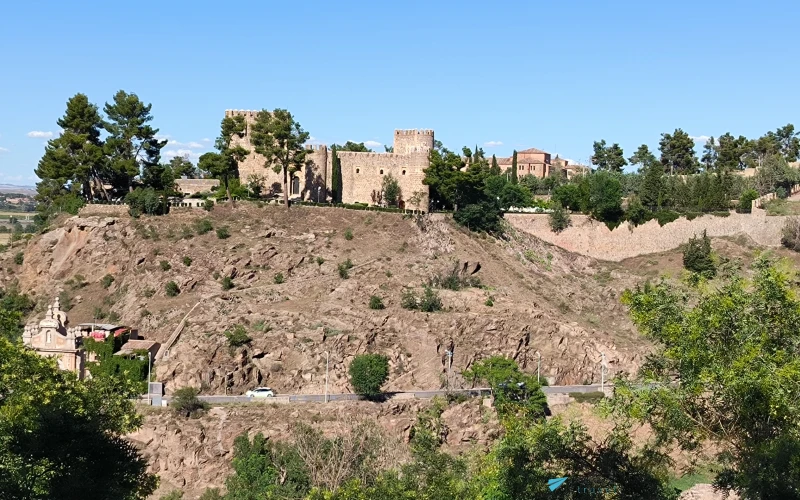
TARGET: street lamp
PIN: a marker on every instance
(538, 365)
(149, 365)
(327, 359)
(602, 372)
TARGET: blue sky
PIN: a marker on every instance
(503, 75)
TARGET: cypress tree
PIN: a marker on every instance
(495, 166)
(514, 179)
(336, 177)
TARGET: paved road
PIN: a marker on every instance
(311, 398)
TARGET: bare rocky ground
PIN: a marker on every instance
(544, 299)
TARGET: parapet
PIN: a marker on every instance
(414, 132)
(247, 113)
(316, 147)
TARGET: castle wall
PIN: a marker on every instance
(412, 141)
(364, 172)
(194, 186)
(594, 239)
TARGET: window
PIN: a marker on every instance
(381, 171)
(404, 172)
(358, 170)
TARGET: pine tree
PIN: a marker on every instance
(495, 166)
(336, 177)
(514, 179)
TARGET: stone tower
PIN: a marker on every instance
(412, 141)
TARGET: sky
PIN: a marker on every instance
(502, 75)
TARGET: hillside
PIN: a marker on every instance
(544, 299)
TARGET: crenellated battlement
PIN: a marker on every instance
(360, 154)
(316, 147)
(414, 132)
(247, 113)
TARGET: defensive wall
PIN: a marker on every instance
(101, 209)
(594, 239)
(194, 186)
(362, 173)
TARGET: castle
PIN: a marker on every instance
(362, 173)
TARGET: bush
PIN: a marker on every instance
(409, 300)
(144, 201)
(172, 289)
(185, 402)
(348, 234)
(202, 226)
(636, 212)
(237, 337)
(430, 301)
(223, 233)
(746, 200)
(19, 258)
(489, 302)
(344, 269)
(227, 283)
(375, 302)
(454, 280)
(320, 261)
(208, 205)
(392, 194)
(790, 237)
(278, 279)
(481, 217)
(697, 256)
(107, 281)
(165, 266)
(187, 261)
(559, 219)
(368, 372)
(666, 216)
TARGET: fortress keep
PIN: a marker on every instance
(362, 173)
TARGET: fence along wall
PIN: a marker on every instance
(594, 239)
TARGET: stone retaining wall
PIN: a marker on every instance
(594, 239)
(107, 210)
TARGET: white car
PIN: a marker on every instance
(260, 392)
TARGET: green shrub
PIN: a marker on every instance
(587, 397)
(223, 233)
(697, 256)
(185, 402)
(237, 337)
(375, 302)
(278, 279)
(227, 283)
(208, 205)
(746, 200)
(666, 216)
(65, 299)
(173, 495)
(453, 279)
(489, 302)
(186, 232)
(559, 219)
(145, 201)
(187, 261)
(409, 300)
(216, 275)
(348, 234)
(790, 237)
(19, 258)
(148, 292)
(344, 269)
(107, 281)
(636, 212)
(165, 266)
(368, 372)
(99, 313)
(202, 226)
(320, 261)
(113, 316)
(172, 289)
(430, 301)
(480, 217)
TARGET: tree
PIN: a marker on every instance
(56, 431)
(185, 402)
(484, 216)
(76, 156)
(604, 201)
(392, 193)
(517, 394)
(733, 349)
(263, 468)
(336, 176)
(14, 306)
(514, 179)
(652, 186)
(788, 142)
(709, 158)
(677, 153)
(495, 166)
(642, 157)
(697, 256)
(131, 145)
(608, 157)
(731, 153)
(224, 165)
(368, 372)
(280, 139)
(357, 147)
(182, 166)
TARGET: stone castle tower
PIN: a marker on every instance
(362, 173)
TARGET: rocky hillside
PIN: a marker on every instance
(290, 298)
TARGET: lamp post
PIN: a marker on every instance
(327, 359)
(449, 366)
(602, 372)
(149, 366)
(538, 365)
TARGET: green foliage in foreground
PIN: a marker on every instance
(61, 437)
(736, 351)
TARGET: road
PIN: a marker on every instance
(315, 398)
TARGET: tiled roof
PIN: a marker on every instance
(137, 345)
(533, 150)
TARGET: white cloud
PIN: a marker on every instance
(492, 144)
(182, 152)
(699, 138)
(12, 178)
(206, 139)
(3, 150)
(161, 137)
(39, 134)
(373, 144)
(192, 144)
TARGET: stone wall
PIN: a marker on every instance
(106, 210)
(364, 172)
(194, 186)
(594, 239)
